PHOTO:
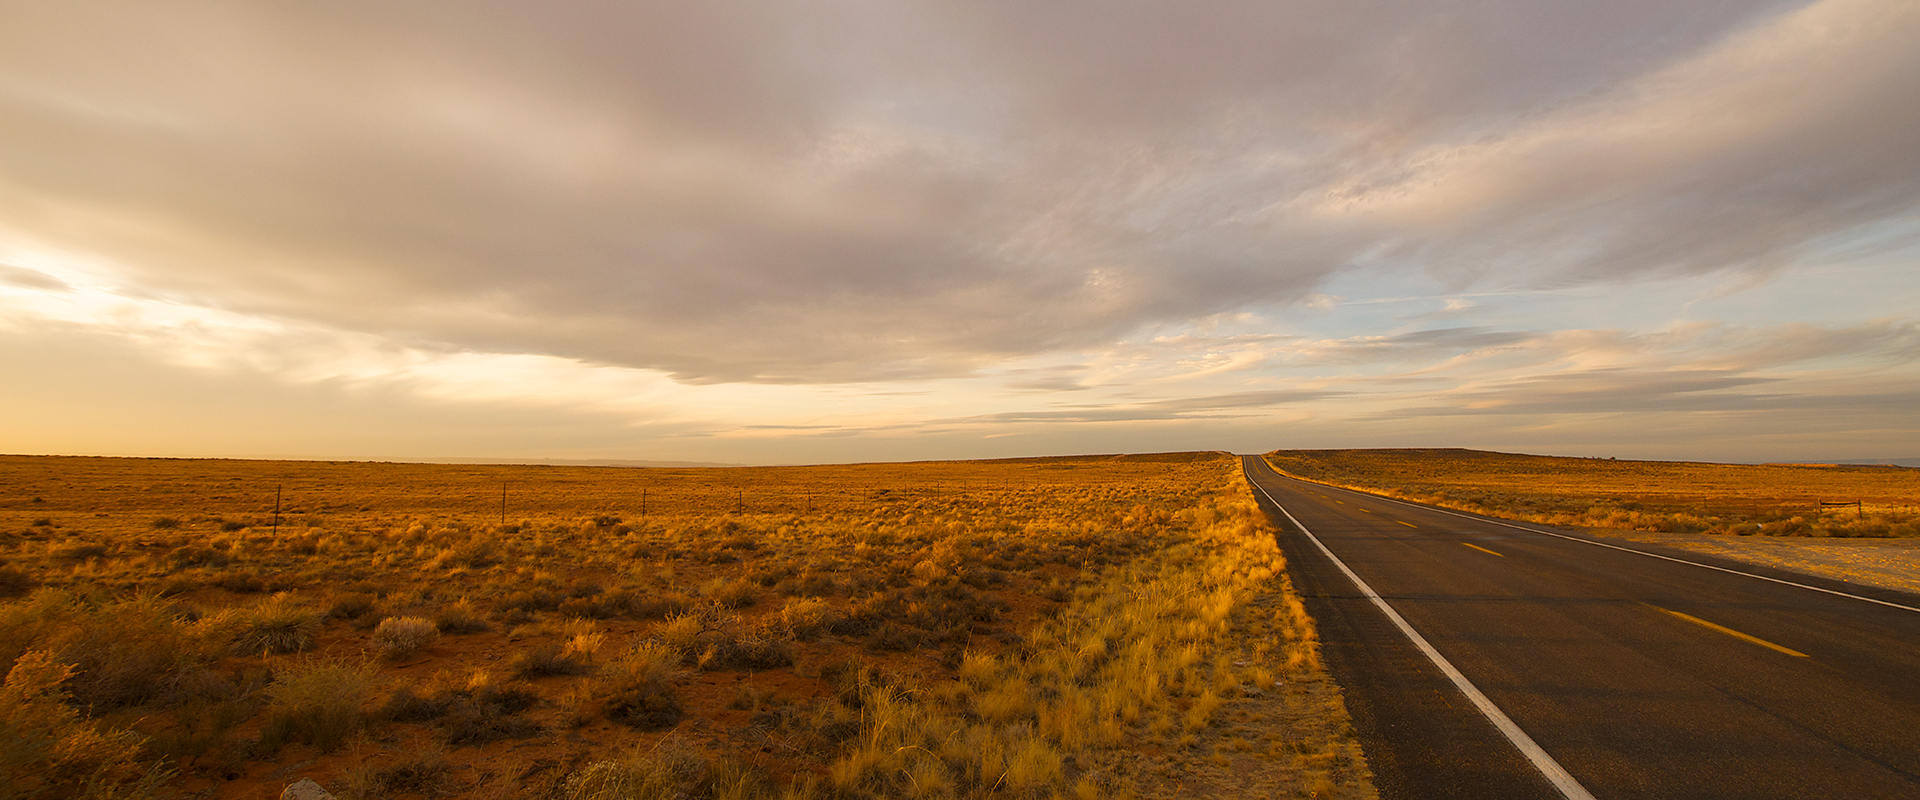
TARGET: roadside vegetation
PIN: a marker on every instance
(1655, 496)
(1075, 627)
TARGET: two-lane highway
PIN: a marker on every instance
(1586, 668)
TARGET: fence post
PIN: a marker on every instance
(1859, 507)
(503, 502)
(276, 508)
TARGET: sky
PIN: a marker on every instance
(849, 231)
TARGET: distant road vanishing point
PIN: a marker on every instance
(1483, 658)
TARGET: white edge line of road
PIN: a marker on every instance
(1834, 592)
(1555, 774)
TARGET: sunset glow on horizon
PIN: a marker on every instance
(735, 233)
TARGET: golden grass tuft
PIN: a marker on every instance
(278, 624)
(807, 617)
(398, 638)
(671, 768)
(460, 617)
(319, 703)
(124, 652)
(48, 750)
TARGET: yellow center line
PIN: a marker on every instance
(1733, 633)
(1366, 511)
(1406, 523)
(1483, 550)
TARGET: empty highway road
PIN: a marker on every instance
(1582, 669)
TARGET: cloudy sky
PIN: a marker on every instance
(836, 231)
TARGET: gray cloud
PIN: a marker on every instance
(1694, 368)
(1238, 400)
(1605, 391)
(1213, 406)
(868, 191)
(1883, 341)
(1421, 345)
(1058, 378)
(1620, 392)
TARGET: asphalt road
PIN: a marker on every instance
(1638, 676)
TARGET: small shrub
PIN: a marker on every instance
(596, 607)
(892, 638)
(413, 773)
(510, 699)
(399, 637)
(1032, 765)
(637, 688)
(195, 555)
(545, 661)
(460, 616)
(601, 605)
(735, 594)
(278, 624)
(758, 649)
(489, 714)
(475, 553)
(806, 617)
(165, 523)
(178, 585)
(713, 639)
(352, 606)
(529, 600)
(241, 582)
(79, 551)
(671, 769)
(658, 605)
(47, 749)
(583, 640)
(1010, 701)
(816, 583)
(124, 653)
(406, 705)
(927, 572)
(317, 703)
(978, 669)
(14, 582)
(682, 632)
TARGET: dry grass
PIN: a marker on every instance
(1661, 496)
(1101, 626)
(49, 750)
(397, 638)
(318, 703)
(278, 624)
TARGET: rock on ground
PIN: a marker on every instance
(305, 789)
